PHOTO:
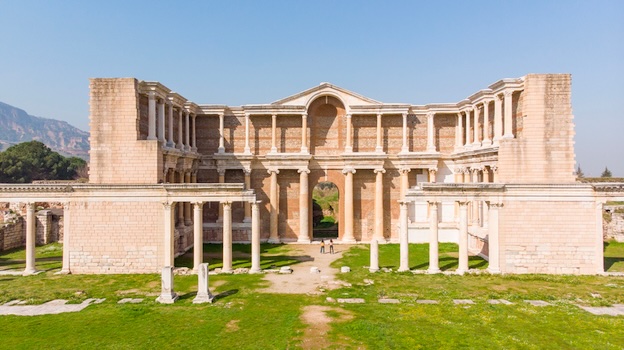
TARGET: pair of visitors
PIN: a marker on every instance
(322, 246)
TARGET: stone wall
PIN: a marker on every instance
(13, 235)
(48, 229)
(613, 225)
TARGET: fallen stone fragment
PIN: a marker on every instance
(462, 301)
(422, 301)
(538, 303)
(499, 301)
(389, 301)
(345, 269)
(314, 269)
(351, 300)
(285, 270)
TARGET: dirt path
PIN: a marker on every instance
(318, 324)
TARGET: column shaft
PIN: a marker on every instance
(468, 141)
(348, 203)
(304, 133)
(508, 120)
(476, 142)
(246, 204)
(274, 133)
(273, 198)
(170, 142)
(458, 132)
(493, 246)
(379, 146)
(221, 133)
(486, 124)
(498, 120)
(179, 144)
(169, 234)
(227, 237)
(151, 116)
(349, 144)
(66, 236)
(255, 237)
(194, 146)
(187, 132)
(198, 235)
(433, 238)
(247, 149)
(379, 234)
(30, 239)
(221, 180)
(404, 147)
(403, 237)
(161, 122)
(430, 133)
(463, 237)
(304, 235)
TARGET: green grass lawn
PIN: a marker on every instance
(243, 318)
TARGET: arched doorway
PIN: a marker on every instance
(325, 211)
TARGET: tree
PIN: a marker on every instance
(606, 173)
(29, 161)
(579, 171)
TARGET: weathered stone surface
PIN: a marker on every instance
(52, 307)
(351, 300)
(389, 301)
(462, 301)
(424, 301)
(538, 302)
(499, 301)
(345, 269)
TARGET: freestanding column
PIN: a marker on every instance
(349, 144)
(194, 147)
(170, 142)
(378, 235)
(198, 235)
(30, 239)
(180, 145)
(508, 120)
(255, 237)
(304, 235)
(203, 292)
(433, 238)
(476, 142)
(304, 133)
(274, 235)
(167, 295)
(379, 146)
(151, 116)
(468, 141)
(486, 124)
(348, 203)
(430, 133)
(247, 186)
(221, 180)
(374, 256)
(404, 147)
(168, 243)
(221, 134)
(247, 149)
(458, 132)
(66, 234)
(403, 238)
(187, 133)
(161, 122)
(227, 237)
(493, 247)
(273, 133)
(463, 237)
(498, 119)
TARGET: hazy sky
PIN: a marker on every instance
(242, 52)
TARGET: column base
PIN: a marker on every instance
(167, 298)
(380, 240)
(227, 272)
(303, 240)
(31, 272)
(494, 271)
(486, 143)
(460, 271)
(255, 271)
(379, 149)
(348, 240)
(431, 150)
(221, 150)
(188, 223)
(373, 270)
(63, 272)
(193, 149)
(304, 150)
(170, 145)
(505, 137)
(203, 298)
(247, 219)
(405, 269)
(476, 144)
(433, 271)
(274, 241)
(247, 150)
(152, 138)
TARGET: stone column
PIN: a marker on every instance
(379, 146)
(468, 143)
(170, 142)
(255, 237)
(247, 186)
(273, 133)
(404, 147)
(194, 146)
(198, 235)
(475, 203)
(458, 133)
(247, 148)
(486, 174)
(404, 181)
(349, 144)
(179, 144)
(463, 237)
(498, 119)
(66, 235)
(493, 245)
(221, 181)
(598, 238)
(187, 205)
(227, 237)
(430, 133)
(151, 116)
(30, 239)
(476, 143)
(378, 235)
(403, 237)
(187, 133)
(432, 174)
(161, 122)
(433, 238)
(273, 198)
(168, 254)
(203, 292)
(304, 133)
(167, 295)
(304, 235)
(348, 206)
(494, 173)
(508, 120)
(374, 256)
(221, 133)
(486, 124)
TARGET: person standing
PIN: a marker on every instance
(331, 246)
(322, 246)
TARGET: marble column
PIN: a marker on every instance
(227, 237)
(508, 117)
(463, 237)
(378, 235)
(433, 238)
(498, 119)
(379, 145)
(255, 237)
(170, 142)
(198, 235)
(180, 144)
(430, 133)
(167, 294)
(348, 235)
(486, 124)
(221, 173)
(468, 143)
(187, 132)
(273, 199)
(403, 172)
(493, 245)
(30, 239)
(247, 149)
(66, 236)
(221, 148)
(403, 237)
(151, 116)
(459, 133)
(168, 252)
(304, 133)
(274, 133)
(494, 173)
(203, 292)
(304, 235)
(194, 146)
(432, 174)
(247, 186)
(161, 122)
(187, 205)
(374, 256)
(349, 143)
(476, 142)
(404, 146)
(475, 203)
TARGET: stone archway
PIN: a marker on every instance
(325, 210)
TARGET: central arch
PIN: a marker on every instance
(325, 210)
(327, 125)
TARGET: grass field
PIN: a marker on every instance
(243, 318)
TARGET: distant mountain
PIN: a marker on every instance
(17, 126)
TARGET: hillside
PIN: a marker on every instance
(17, 126)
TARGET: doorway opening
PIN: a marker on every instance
(325, 210)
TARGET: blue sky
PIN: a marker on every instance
(241, 52)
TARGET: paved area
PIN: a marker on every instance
(615, 310)
(58, 306)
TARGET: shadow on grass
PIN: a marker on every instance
(613, 256)
(227, 293)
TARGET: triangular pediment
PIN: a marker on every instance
(304, 98)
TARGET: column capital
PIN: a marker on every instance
(379, 115)
(379, 170)
(459, 170)
(276, 171)
(495, 205)
(486, 103)
(303, 170)
(430, 114)
(508, 93)
(221, 171)
(433, 203)
(304, 115)
(226, 203)
(498, 97)
(494, 168)
(66, 205)
(348, 115)
(30, 205)
(404, 170)
(348, 170)
(247, 171)
(433, 170)
(463, 203)
(199, 204)
(167, 205)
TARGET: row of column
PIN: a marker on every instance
(187, 134)
(227, 235)
(247, 207)
(502, 118)
(184, 211)
(434, 267)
